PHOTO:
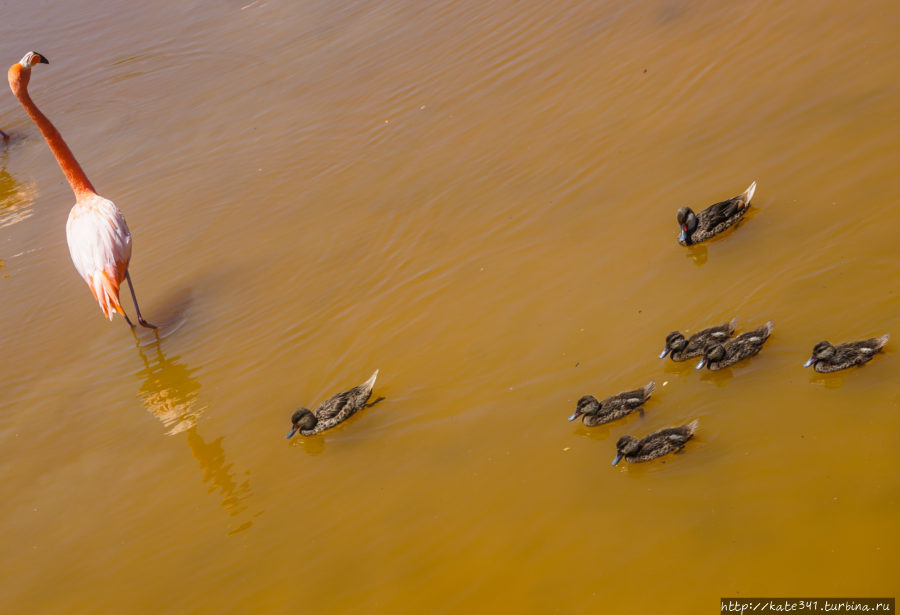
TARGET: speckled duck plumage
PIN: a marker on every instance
(595, 412)
(681, 349)
(712, 220)
(719, 356)
(332, 411)
(828, 358)
(655, 444)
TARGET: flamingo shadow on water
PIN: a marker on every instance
(169, 391)
(98, 237)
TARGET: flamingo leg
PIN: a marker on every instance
(141, 320)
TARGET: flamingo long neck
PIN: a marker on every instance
(81, 185)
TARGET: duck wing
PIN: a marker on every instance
(756, 337)
(344, 404)
(714, 215)
(720, 334)
(334, 406)
(630, 398)
(725, 211)
(856, 353)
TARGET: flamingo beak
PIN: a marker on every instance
(617, 459)
(44, 60)
(294, 429)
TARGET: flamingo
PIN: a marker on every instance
(98, 237)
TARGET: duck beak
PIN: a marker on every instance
(618, 457)
(663, 354)
(811, 360)
(701, 363)
(682, 237)
(294, 429)
(575, 415)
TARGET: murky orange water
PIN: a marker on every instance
(478, 199)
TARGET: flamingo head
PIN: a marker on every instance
(20, 72)
(31, 58)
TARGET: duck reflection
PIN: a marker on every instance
(698, 254)
(169, 391)
(719, 378)
(829, 381)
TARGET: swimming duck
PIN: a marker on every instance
(683, 349)
(718, 356)
(613, 407)
(332, 411)
(712, 220)
(654, 445)
(827, 358)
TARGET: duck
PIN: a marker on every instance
(828, 358)
(332, 411)
(614, 407)
(682, 349)
(655, 444)
(718, 356)
(712, 220)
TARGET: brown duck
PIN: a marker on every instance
(682, 349)
(718, 356)
(332, 411)
(614, 407)
(712, 220)
(827, 358)
(654, 445)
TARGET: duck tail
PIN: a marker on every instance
(732, 325)
(649, 388)
(748, 193)
(692, 426)
(370, 383)
(881, 341)
(769, 326)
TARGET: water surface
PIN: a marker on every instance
(477, 199)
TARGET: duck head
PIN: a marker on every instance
(625, 446)
(716, 352)
(687, 220)
(303, 418)
(586, 405)
(675, 342)
(821, 352)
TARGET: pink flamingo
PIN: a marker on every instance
(99, 240)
